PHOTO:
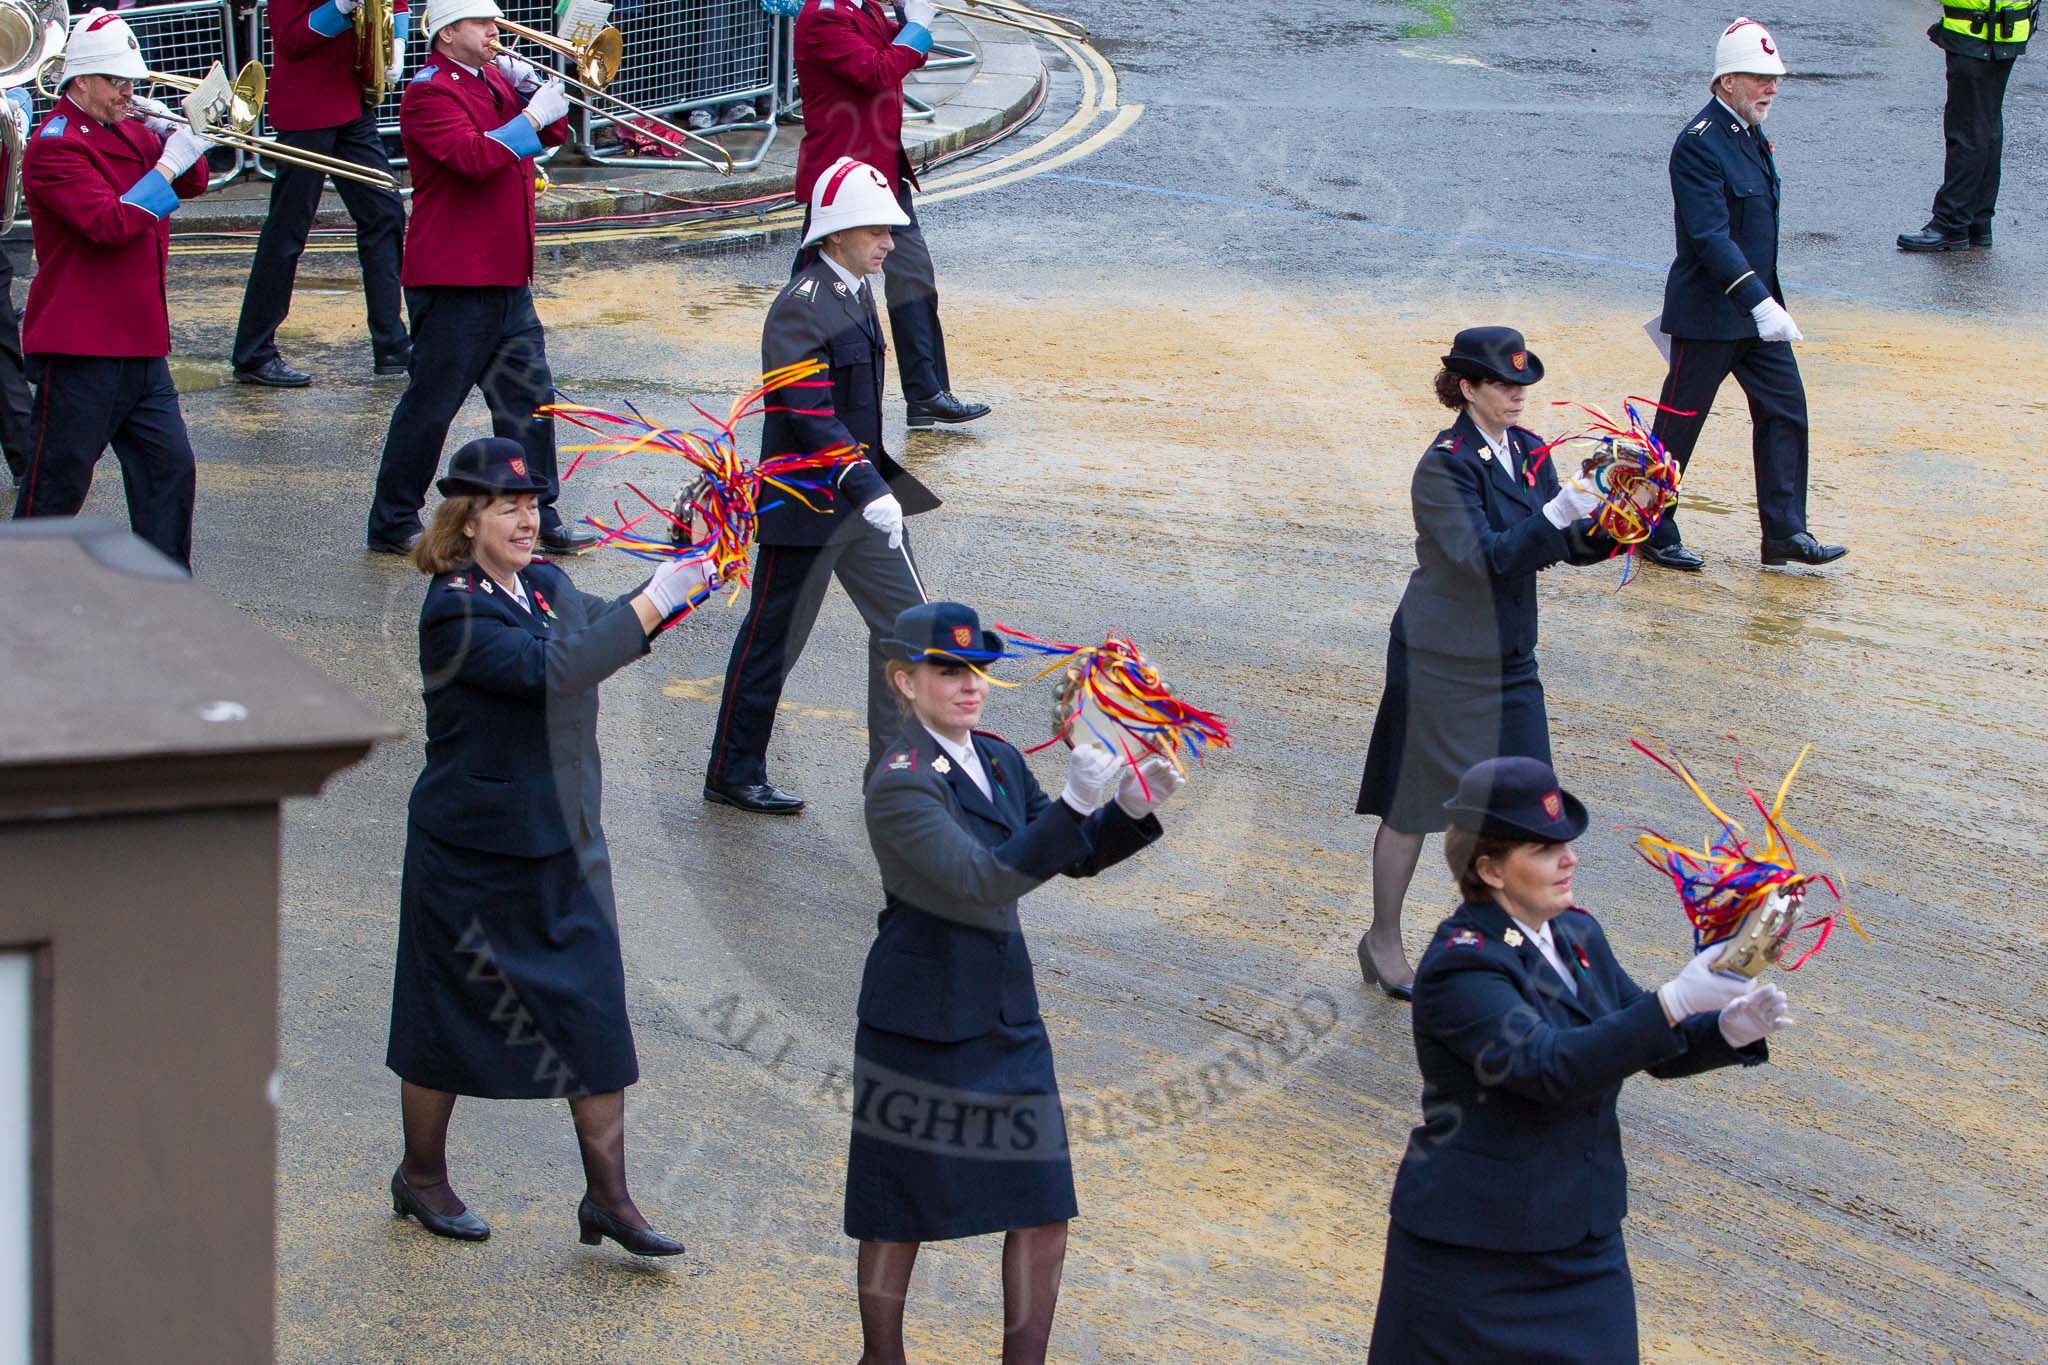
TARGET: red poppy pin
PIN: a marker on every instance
(1553, 805)
(963, 636)
(1520, 360)
(518, 466)
(1584, 965)
(546, 610)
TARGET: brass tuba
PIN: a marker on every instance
(375, 34)
(31, 34)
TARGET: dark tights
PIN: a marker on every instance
(1032, 1261)
(600, 1133)
(1394, 855)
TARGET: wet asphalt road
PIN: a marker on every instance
(1209, 345)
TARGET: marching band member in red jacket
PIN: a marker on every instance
(100, 184)
(851, 58)
(316, 103)
(472, 121)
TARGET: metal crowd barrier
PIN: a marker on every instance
(182, 38)
(679, 55)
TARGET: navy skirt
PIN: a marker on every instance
(1450, 1305)
(509, 983)
(1439, 715)
(955, 1139)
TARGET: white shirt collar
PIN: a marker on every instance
(1504, 452)
(1546, 943)
(1740, 122)
(853, 281)
(517, 590)
(966, 757)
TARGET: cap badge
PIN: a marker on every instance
(1520, 360)
(963, 636)
(1513, 938)
(1553, 805)
(518, 466)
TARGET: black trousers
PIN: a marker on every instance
(83, 403)
(910, 283)
(294, 199)
(1769, 376)
(1973, 122)
(465, 337)
(789, 587)
(14, 397)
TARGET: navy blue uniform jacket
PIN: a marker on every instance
(949, 959)
(817, 317)
(511, 695)
(1480, 538)
(1724, 202)
(1519, 1149)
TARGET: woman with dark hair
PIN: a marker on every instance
(509, 982)
(1505, 1241)
(1461, 681)
(957, 1125)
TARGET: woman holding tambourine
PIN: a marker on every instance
(957, 1125)
(1462, 684)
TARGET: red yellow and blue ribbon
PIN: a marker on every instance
(1635, 478)
(724, 503)
(1729, 878)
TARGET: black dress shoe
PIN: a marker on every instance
(463, 1227)
(1803, 548)
(1932, 238)
(1672, 557)
(274, 374)
(593, 1225)
(569, 540)
(758, 797)
(944, 407)
(388, 365)
(1980, 236)
(403, 546)
(1373, 977)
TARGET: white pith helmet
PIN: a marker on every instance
(1747, 46)
(102, 44)
(441, 13)
(852, 194)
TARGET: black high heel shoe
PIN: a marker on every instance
(594, 1225)
(1373, 977)
(463, 1227)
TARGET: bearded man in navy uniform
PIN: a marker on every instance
(1723, 306)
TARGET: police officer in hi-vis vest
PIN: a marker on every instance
(1982, 38)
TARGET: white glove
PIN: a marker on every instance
(397, 67)
(548, 104)
(1699, 989)
(348, 6)
(182, 149)
(920, 12)
(1756, 1014)
(18, 109)
(155, 115)
(1091, 777)
(676, 582)
(1572, 502)
(1161, 778)
(524, 75)
(1773, 323)
(885, 514)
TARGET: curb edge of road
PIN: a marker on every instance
(1011, 93)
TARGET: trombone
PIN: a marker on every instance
(596, 66)
(237, 130)
(1021, 16)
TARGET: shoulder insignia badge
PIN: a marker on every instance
(1448, 444)
(426, 73)
(904, 762)
(1699, 127)
(942, 765)
(806, 289)
(1467, 938)
(54, 127)
(1513, 938)
(459, 583)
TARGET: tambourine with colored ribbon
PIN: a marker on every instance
(1110, 695)
(713, 517)
(1634, 476)
(1735, 893)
